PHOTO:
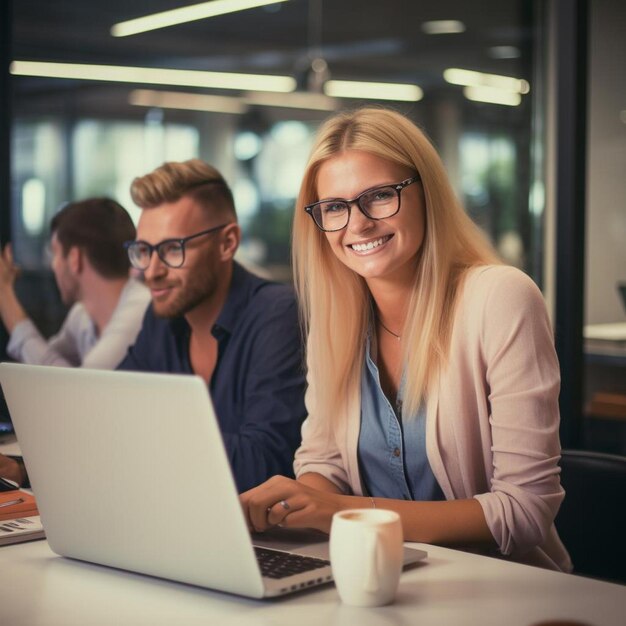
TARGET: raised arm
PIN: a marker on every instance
(122, 329)
(63, 349)
(11, 311)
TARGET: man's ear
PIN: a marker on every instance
(229, 242)
(75, 260)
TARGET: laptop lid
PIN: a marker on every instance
(129, 470)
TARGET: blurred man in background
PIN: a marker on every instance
(91, 270)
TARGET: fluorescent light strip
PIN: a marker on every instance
(155, 76)
(187, 101)
(225, 104)
(492, 95)
(504, 52)
(443, 27)
(470, 78)
(293, 100)
(373, 91)
(185, 14)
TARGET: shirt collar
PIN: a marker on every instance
(241, 284)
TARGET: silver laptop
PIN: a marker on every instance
(129, 470)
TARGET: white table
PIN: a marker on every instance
(451, 587)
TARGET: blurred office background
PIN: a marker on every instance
(525, 100)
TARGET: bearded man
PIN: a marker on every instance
(212, 318)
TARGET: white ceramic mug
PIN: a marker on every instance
(366, 552)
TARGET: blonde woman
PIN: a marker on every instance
(433, 380)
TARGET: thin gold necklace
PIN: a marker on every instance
(398, 337)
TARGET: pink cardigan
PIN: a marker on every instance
(492, 420)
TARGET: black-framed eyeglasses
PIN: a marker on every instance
(376, 203)
(170, 251)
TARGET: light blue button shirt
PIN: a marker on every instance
(392, 453)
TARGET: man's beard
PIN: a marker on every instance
(188, 298)
(69, 293)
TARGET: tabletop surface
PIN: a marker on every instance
(451, 587)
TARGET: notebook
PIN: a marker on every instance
(19, 518)
(129, 470)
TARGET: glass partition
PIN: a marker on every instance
(473, 86)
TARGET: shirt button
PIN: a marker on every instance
(396, 452)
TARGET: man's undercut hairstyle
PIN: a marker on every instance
(99, 227)
(194, 178)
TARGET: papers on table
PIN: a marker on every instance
(21, 529)
(19, 517)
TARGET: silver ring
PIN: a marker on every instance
(285, 505)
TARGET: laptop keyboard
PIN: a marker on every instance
(276, 564)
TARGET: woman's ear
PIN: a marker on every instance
(229, 242)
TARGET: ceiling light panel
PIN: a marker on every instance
(155, 76)
(187, 101)
(492, 95)
(443, 27)
(294, 100)
(227, 104)
(471, 78)
(373, 91)
(504, 52)
(186, 14)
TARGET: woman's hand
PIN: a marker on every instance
(312, 500)
(285, 502)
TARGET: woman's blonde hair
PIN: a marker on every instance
(335, 301)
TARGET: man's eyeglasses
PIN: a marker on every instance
(377, 203)
(170, 251)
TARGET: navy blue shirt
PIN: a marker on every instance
(258, 384)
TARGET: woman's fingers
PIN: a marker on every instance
(288, 503)
(314, 513)
(260, 501)
(278, 513)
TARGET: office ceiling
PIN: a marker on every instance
(372, 40)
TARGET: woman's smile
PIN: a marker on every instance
(370, 246)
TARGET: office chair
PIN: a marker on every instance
(592, 518)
